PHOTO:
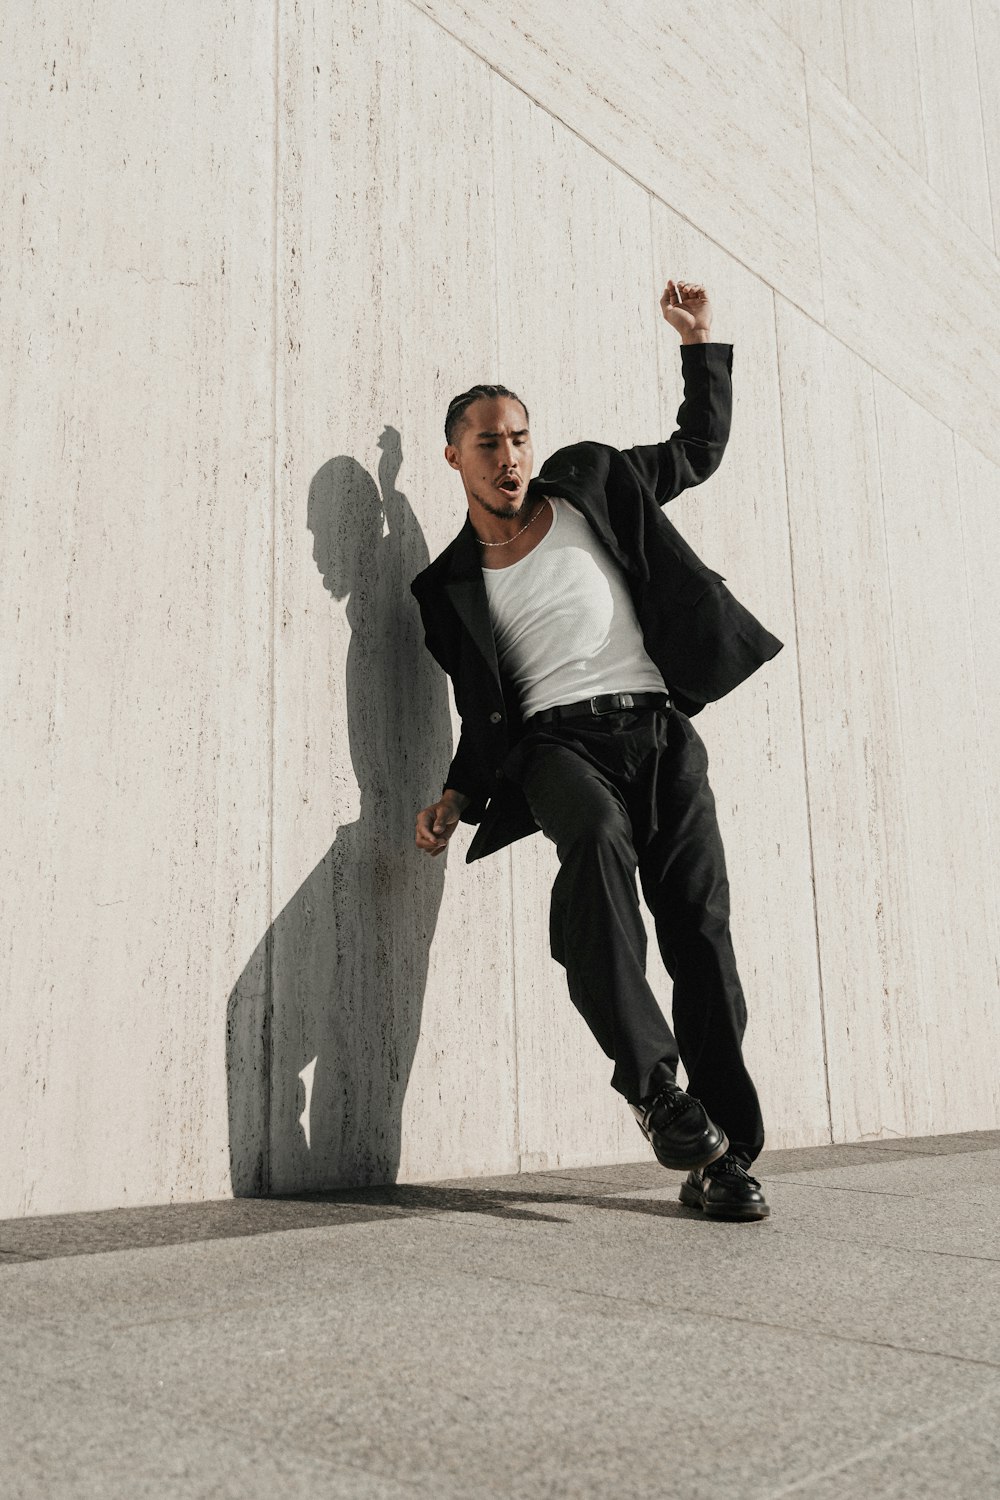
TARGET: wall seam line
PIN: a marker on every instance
(268, 1036)
(515, 1029)
(795, 611)
(904, 780)
(651, 198)
(982, 126)
(978, 695)
(805, 746)
(920, 99)
(812, 179)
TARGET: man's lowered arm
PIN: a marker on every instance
(459, 800)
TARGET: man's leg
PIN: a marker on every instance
(684, 881)
(596, 929)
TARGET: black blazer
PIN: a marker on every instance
(701, 638)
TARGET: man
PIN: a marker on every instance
(581, 634)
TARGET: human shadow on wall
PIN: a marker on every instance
(317, 1076)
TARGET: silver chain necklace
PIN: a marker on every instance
(510, 538)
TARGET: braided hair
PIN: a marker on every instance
(459, 404)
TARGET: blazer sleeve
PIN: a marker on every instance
(463, 777)
(694, 451)
(463, 774)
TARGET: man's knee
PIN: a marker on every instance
(573, 808)
(595, 829)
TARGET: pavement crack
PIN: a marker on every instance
(675, 1308)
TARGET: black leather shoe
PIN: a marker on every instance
(678, 1129)
(725, 1190)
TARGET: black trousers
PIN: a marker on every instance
(616, 793)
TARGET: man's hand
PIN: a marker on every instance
(437, 823)
(687, 309)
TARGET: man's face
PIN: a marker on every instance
(494, 456)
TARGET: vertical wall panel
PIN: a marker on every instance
(390, 968)
(877, 1048)
(979, 514)
(135, 397)
(942, 764)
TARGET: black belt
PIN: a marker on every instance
(604, 703)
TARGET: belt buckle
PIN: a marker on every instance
(623, 700)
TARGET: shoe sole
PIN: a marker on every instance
(673, 1165)
(693, 1199)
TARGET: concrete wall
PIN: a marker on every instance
(249, 254)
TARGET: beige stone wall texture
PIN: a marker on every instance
(248, 255)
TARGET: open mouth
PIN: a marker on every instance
(510, 485)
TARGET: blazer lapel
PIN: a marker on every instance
(467, 592)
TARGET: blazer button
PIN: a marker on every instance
(495, 718)
(499, 774)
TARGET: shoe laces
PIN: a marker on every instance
(671, 1099)
(728, 1166)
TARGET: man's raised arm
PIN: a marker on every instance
(694, 450)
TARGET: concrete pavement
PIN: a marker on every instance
(573, 1333)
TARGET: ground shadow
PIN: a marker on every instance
(517, 1196)
(323, 1022)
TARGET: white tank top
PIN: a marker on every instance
(563, 619)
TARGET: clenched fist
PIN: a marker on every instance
(686, 308)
